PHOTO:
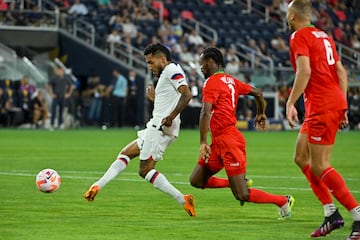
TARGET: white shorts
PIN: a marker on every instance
(153, 143)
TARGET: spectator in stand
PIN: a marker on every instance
(274, 10)
(163, 30)
(3, 5)
(186, 55)
(232, 62)
(26, 90)
(116, 21)
(357, 28)
(78, 9)
(177, 28)
(252, 51)
(142, 13)
(105, 4)
(9, 19)
(118, 88)
(195, 38)
(230, 55)
(339, 11)
(339, 34)
(64, 6)
(60, 89)
(13, 111)
(263, 48)
(3, 110)
(132, 102)
(283, 94)
(355, 42)
(279, 44)
(25, 85)
(354, 108)
(114, 37)
(38, 110)
(129, 29)
(95, 91)
(324, 22)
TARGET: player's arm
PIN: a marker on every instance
(302, 77)
(343, 82)
(260, 118)
(343, 78)
(204, 124)
(181, 105)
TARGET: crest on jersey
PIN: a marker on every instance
(177, 76)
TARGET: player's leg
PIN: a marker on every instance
(334, 181)
(155, 143)
(126, 154)
(234, 160)
(202, 175)
(332, 219)
(241, 192)
(320, 152)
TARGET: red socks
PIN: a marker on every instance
(216, 182)
(259, 196)
(319, 188)
(336, 184)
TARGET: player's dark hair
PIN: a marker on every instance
(158, 48)
(214, 54)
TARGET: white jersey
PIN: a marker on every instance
(167, 97)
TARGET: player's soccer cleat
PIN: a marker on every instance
(189, 205)
(355, 233)
(91, 193)
(249, 183)
(285, 211)
(331, 223)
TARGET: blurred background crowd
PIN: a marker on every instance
(253, 39)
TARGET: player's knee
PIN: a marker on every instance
(317, 169)
(242, 196)
(195, 183)
(300, 160)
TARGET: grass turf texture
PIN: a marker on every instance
(130, 208)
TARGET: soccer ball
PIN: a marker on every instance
(48, 180)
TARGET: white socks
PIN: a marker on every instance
(116, 167)
(355, 213)
(160, 182)
(329, 209)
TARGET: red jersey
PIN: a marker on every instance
(223, 91)
(323, 91)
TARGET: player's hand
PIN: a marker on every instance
(344, 122)
(167, 121)
(292, 115)
(205, 151)
(150, 92)
(260, 121)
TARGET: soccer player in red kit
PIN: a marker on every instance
(320, 75)
(227, 150)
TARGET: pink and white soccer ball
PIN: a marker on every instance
(48, 180)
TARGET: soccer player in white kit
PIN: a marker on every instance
(170, 97)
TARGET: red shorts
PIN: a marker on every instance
(227, 151)
(322, 128)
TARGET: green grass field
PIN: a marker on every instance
(130, 208)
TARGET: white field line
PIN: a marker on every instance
(23, 173)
